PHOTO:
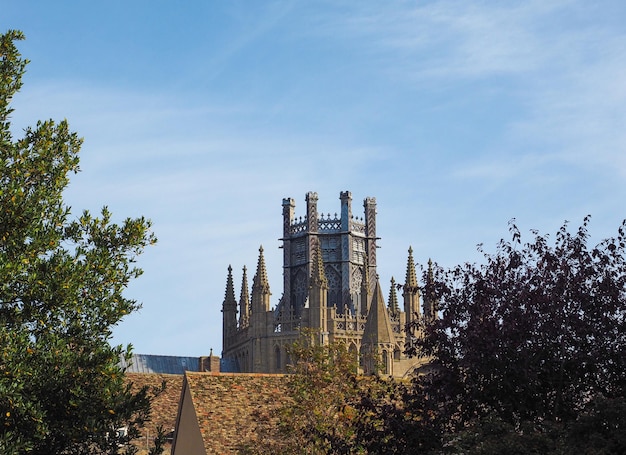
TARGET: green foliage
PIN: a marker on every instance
(526, 342)
(600, 429)
(318, 416)
(528, 356)
(395, 418)
(331, 409)
(490, 435)
(61, 293)
(159, 442)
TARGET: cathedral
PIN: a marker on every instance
(331, 287)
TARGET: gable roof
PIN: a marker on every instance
(221, 413)
(163, 408)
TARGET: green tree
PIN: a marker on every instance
(317, 415)
(61, 293)
(330, 408)
(600, 429)
(530, 339)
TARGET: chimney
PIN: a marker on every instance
(209, 364)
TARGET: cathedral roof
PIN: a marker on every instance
(164, 364)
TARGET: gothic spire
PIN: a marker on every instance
(410, 282)
(318, 276)
(260, 298)
(430, 304)
(411, 292)
(260, 283)
(229, 310)
(378, 325)
(244, 300)
(229, 298)
(430, 271)
(394, 308)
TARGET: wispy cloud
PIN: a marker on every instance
(455, 115)
(562, 61)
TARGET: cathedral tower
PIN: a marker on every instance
(345, 243)
(330, 286)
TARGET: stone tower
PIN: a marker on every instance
(330, 285)
(345, 243)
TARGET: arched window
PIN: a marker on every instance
(299, 291)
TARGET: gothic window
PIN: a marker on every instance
(334, 286)
(357, 279)
(299, 252)
(358, 250)
(330, 249)
(299, 291)
(355, 288)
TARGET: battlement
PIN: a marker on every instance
(326, 224)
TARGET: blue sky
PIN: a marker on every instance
(203, 115)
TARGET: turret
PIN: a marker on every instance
(229, 310)
(365, 288)
(260, 307)
(311, 213)
(260, 288)
(430, 301)
(289, 211)
(369, 206)
(346, 209)
(244, 301)
(346, 300)
(394, 308)
(411, 291)
(312, 221)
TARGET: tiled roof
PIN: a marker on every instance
(164, 407)
(230, 407)
(166, 364)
